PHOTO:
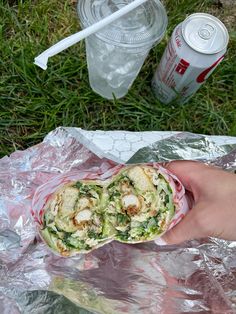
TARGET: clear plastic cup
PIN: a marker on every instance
(116, 54)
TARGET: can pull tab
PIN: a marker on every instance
(207, 31)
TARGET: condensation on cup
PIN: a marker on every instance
(196, 47)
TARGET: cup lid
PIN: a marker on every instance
(145, 25)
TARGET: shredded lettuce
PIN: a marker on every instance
(123, 236)
(76, 243)
(122, 219)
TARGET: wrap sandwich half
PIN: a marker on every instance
(73, 218)
(141, 203)
(137, 204)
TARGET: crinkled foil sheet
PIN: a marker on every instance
(195, 277)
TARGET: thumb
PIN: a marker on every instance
(191, 227)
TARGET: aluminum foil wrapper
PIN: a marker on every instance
(195, 277)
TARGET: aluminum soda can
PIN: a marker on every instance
(196, 47)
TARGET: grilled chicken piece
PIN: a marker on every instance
(69, 199)
(131, 204)
(140, 179)
(82, 204)
(84, 215)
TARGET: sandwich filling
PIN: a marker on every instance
(140, 204)
(136, 205)
(73, 219)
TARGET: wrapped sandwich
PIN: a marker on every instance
(137, 204)
(141, 203)
(73, 218)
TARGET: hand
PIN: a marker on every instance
(213, 212)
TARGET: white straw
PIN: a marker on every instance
(42, 59)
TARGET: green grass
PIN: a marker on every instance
(34, 102)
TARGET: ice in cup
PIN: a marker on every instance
(116, 54)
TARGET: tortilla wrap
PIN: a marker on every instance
(137, 204)
(73, 218)
(140, 203)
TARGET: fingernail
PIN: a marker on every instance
(165, 164)
(160, 241)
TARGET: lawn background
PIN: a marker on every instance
(34, 102)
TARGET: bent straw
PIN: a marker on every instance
(42, 59)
